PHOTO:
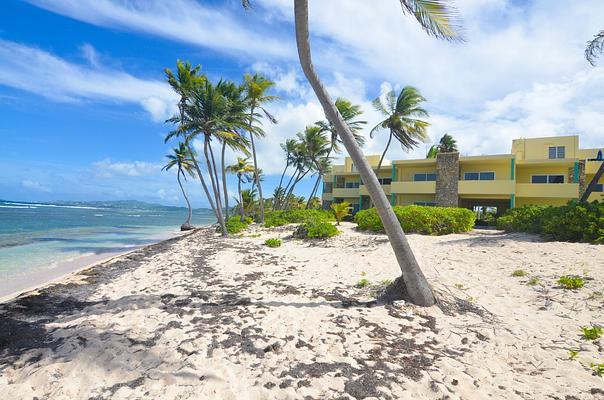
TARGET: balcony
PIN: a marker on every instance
(341, 192)
(496, 187)
(413, 187)
(591, 167)
(559, 190)
(363, 190)
(327, 196)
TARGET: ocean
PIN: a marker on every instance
(40, 242)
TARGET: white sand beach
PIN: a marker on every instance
(200, 317)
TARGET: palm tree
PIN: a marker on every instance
(435, 17)
(432, 151)
(594, 48)
(349, 112)
(242, 169)
(322, 166)
(181, 159)
(402, 115)
(256, 87)
(184, 83)
(447, 144)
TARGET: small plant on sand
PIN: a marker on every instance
(273, 242)
(363, 283)
(534, 281)
(598, 369)
(572, 354)
(571, 282)
(387, 282)
(254, 235)
(519, 273)
(459, 286)
(591, 332)
(341, 210)
(597, 295)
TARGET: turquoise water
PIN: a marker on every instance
(37, 237)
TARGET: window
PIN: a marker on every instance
(424, 177)
(425, 203)
(556, 152)
(599, 187)
(385, 181)
(547, 179)
(328, 188)
(352, 185)
(479, 176)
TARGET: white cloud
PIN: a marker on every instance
(35, 185)
(36, 71)
(90, 54)
(108, 169)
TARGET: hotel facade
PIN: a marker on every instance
(538, 171)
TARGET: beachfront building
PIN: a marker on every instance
(539, 171)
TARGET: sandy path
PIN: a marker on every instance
(205, 318)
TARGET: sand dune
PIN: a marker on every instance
(200, 317)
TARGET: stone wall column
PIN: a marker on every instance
(447, 179)
(582, 181)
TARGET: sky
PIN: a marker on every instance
(83, 98)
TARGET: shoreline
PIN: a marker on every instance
(65, 270)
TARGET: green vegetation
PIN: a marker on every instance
(420, 219)
(596, 295)
(316, 230)
(572, 354)
(571, 282)
(363, 283)
(519, 273)
(598, 369)
(341, 210)
(234, 225)
(591, 332)
(273, 242)
(459, 286)
(284, 217)
(534, 281)
(574, 222)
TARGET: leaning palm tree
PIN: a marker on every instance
(349, 113)
(436, 18)
(594, 48)
(243, 169)
(402, 119)
(256, 87)
(181, 159)
(323, 166)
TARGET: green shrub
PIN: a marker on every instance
(573, 222)
(519, 273)
(234, 225)
(571, 282)
(316, 230)
(420, 219)
(591, 332)
(363, 282)
(598, 369)
(341, 210)
(280, 218)
(273, 242)
(534, 281)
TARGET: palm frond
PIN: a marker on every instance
(594, 48)
(436, 17)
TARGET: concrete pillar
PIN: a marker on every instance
(447, 179)
(582, 181)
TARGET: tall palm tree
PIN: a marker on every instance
(594, 48)
(402, 119)
(256, 87)
(447, 144)
(436, 18)
(243, 169)
(185, 81)
(323, 166)
(349, 112)
(181, 159)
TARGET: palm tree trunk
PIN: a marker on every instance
(241, 210)
(224, 183)
(314, 190)
(216, 194)
(184, 193)
(203, 183)
(256, 174)
(384, 153)
(415, 284)
(285, 189)
(291, 190)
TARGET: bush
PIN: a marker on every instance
(280, 218)
(341, 210)
(519, 273)
(571, 282)
(234, 225)
(574, 222)
(315, 230)
(420, 219)
(591, 332)
(273, 242)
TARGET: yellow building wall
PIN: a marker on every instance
(503, 170)
(540, 201)
(409, 199)
(524, 172)
(538, 148)
(406, 174)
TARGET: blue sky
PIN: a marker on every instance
(82, 97)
